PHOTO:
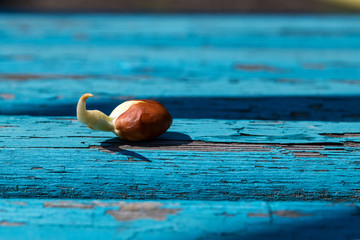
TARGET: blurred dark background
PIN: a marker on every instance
(181, 5)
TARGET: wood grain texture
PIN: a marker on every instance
(26, 131)
(223, 65)
(265, 107)
(94, 219)
(50, 157)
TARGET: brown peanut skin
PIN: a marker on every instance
(143, 121)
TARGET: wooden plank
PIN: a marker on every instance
(94, 219)
(282, 68)
(293, 108)
(198, 159)
(184, 30)
(47, 62)
(25, 131)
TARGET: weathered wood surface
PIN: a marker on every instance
(221, 77)
(224, 67)
(93, 219)
(51, 157)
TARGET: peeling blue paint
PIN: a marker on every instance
(48, 66)
(59, 157)
(266, 108)
(193, 220)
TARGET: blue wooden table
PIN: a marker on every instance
(265, 142)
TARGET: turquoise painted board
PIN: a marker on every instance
(25, 131)
(265, 107)
(200, 66)
(51, 157)
(93, 219)
(298, 108)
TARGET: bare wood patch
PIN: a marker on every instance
(341, 135)
(309, 155)
(6, 223)
(7, 126)
(186, 146)
(352, 144)
(118, 204)
(7, 96)
(291, 214)
(304, 147)
(19, 203)
(22, 57)
(352, 82)
(68, 204)
(26, 77)
(100, 203)
(305, 150)
(36, 168)
(146, 210)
